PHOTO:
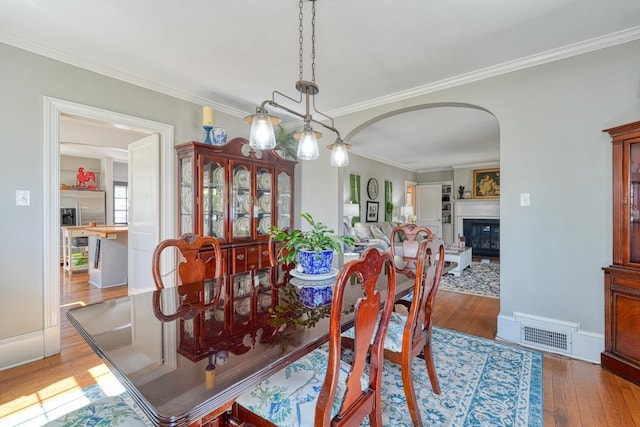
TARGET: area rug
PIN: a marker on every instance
(481, 279)
(482, 382)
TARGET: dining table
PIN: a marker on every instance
(185, 353)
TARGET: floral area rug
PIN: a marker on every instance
(482, 382)
(481, 279)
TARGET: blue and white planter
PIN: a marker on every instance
(315, 262)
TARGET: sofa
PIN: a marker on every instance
(375, 234)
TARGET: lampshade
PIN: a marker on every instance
(339, 156)
(351, 209)
(308, 145)
(262, 136)
(406, 210)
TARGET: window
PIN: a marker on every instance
(120, 203)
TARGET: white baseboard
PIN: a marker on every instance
(22, 349)
(584, 345)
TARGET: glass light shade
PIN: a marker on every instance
(262, 136)
(308, 145)
(351, 209)
(339, 156)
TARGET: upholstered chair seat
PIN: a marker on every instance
(289, 397)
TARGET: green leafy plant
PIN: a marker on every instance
(286, 143)
(319, 238)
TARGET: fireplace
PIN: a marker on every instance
(483, 235)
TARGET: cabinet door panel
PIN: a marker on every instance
(284, 204)
(626, 325)
(213, 198)
(241, 202)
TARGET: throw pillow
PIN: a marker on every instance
(362, 232)
(379, 234)
(387, 228)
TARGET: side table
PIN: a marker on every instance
(461, 256)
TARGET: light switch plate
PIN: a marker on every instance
(23, 198)
(525, 199)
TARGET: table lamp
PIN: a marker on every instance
(407, 212)
(350, 210)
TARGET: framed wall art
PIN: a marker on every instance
(486, 183)
(372, 211)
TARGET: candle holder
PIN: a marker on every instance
(207, 135)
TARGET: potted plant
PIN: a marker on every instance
(312, 249)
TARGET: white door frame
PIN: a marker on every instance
(51, 198)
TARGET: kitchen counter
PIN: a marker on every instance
(108, 255)
(106, 230)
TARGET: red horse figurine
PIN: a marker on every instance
(83, 177)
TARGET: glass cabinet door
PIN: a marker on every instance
(634, 203)
(284, 200)
(186, 195)
(240, 203)
(264, 193)
(213, 199)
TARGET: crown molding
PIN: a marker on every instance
(491, 164)
(613, 39)
(383, 161)
(116, 74)
(564, 52)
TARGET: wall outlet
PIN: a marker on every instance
(525, 199)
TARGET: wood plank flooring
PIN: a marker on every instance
(576, 393)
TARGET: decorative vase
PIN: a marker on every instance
(315, 262)
(316, 296)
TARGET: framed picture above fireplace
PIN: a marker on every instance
(486, 183)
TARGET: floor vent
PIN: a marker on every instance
(541, 337)
(546, 334)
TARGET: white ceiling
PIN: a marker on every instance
(232, 55)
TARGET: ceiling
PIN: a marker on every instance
(368, 53)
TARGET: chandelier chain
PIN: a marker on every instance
(313, 41)
(300, 40)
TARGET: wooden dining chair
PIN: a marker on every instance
(320, 383)
(200, 259)
(410, 335)
(404, 247)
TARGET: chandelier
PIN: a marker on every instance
(262, 135)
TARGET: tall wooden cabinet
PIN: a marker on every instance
(235, 193)
(622, 279)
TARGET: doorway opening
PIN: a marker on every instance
(53, 110)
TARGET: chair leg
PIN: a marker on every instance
(409, 392)
(431, 367)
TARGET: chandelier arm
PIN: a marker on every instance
(323, 114)
(302, 116)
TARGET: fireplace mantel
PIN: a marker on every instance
(474, 208)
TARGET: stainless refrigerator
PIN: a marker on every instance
(79, 207)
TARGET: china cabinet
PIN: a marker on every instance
(622, 279)
(235, 193)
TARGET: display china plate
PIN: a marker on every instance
(313, 277)
(218, 176)
(265, 224)
(186, 173)
(242, 178)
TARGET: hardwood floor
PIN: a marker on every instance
(575, 393)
